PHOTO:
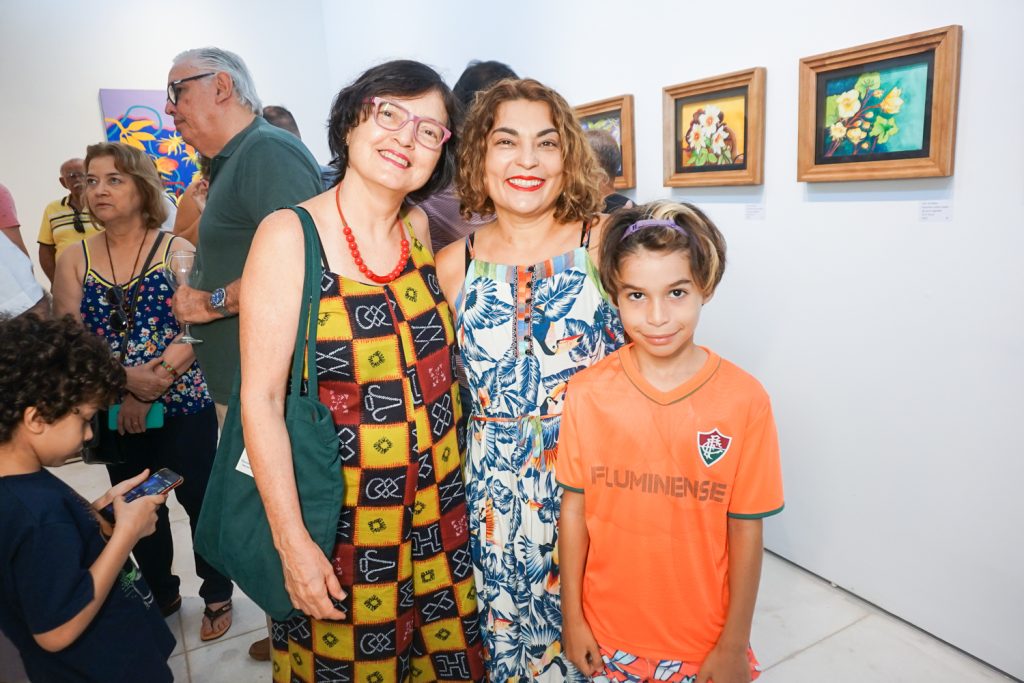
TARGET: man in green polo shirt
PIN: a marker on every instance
(256, 169)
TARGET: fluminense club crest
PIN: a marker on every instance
(712, 446)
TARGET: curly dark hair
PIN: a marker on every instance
(399, 78)
(53, 366)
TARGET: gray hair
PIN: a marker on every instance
(217, 59)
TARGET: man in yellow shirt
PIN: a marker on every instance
(66, 221)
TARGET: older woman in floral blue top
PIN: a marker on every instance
(104, 284)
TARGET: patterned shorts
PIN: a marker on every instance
(622, 667)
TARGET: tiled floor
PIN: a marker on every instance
(804, 630)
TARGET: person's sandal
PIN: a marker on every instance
(212, 615)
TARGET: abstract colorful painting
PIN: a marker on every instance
(137, 118)
(875, 111)
(710, 132)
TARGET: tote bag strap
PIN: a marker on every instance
(305, 336)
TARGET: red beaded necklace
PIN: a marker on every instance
(354, 249)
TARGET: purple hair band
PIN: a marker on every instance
(651, 223)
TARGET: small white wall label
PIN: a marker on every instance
(754, 212)
(936, 212)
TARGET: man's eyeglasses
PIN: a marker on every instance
(174, 87)
(119, 309)
(390, 116)
(77, 222)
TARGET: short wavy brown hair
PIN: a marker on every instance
(581, 197)
(137, 164)
(696, 236)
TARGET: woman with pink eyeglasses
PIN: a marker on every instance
(395, 600)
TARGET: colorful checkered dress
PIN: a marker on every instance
(384, 365)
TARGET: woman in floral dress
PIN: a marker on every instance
(530, 313)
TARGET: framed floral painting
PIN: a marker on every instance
(714, 130)
(879, 111)
(614, 115)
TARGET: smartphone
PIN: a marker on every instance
(160, 482)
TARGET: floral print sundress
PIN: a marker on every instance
(524, 331)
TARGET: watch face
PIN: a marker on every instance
(217, 298)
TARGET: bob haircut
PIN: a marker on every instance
(581, 197)
(399, 78)
(697, 236)
(135, 163)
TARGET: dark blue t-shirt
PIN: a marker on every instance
(48, 541)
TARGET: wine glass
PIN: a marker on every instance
(181, 268)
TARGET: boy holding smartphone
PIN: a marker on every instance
(71, 600)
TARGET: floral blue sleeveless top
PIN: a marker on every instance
(153, 328)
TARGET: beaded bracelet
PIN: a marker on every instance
(169, 368)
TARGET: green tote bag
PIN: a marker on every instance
(233, 533)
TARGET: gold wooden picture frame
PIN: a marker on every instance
(714, 130)
(880, 111)
(614, 115)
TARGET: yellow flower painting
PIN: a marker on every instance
(876, 111)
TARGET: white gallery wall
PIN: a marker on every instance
(893, 348)
(55, 56)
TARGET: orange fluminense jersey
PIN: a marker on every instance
(661, 473)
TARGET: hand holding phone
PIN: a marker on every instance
(159, 483)
(138, 518)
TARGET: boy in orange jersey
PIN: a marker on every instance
(666, 484)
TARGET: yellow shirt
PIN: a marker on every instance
(58, 227)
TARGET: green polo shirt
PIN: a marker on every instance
(260, 170)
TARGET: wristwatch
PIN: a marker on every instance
(217, 300)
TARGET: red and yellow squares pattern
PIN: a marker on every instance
(384, 359)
